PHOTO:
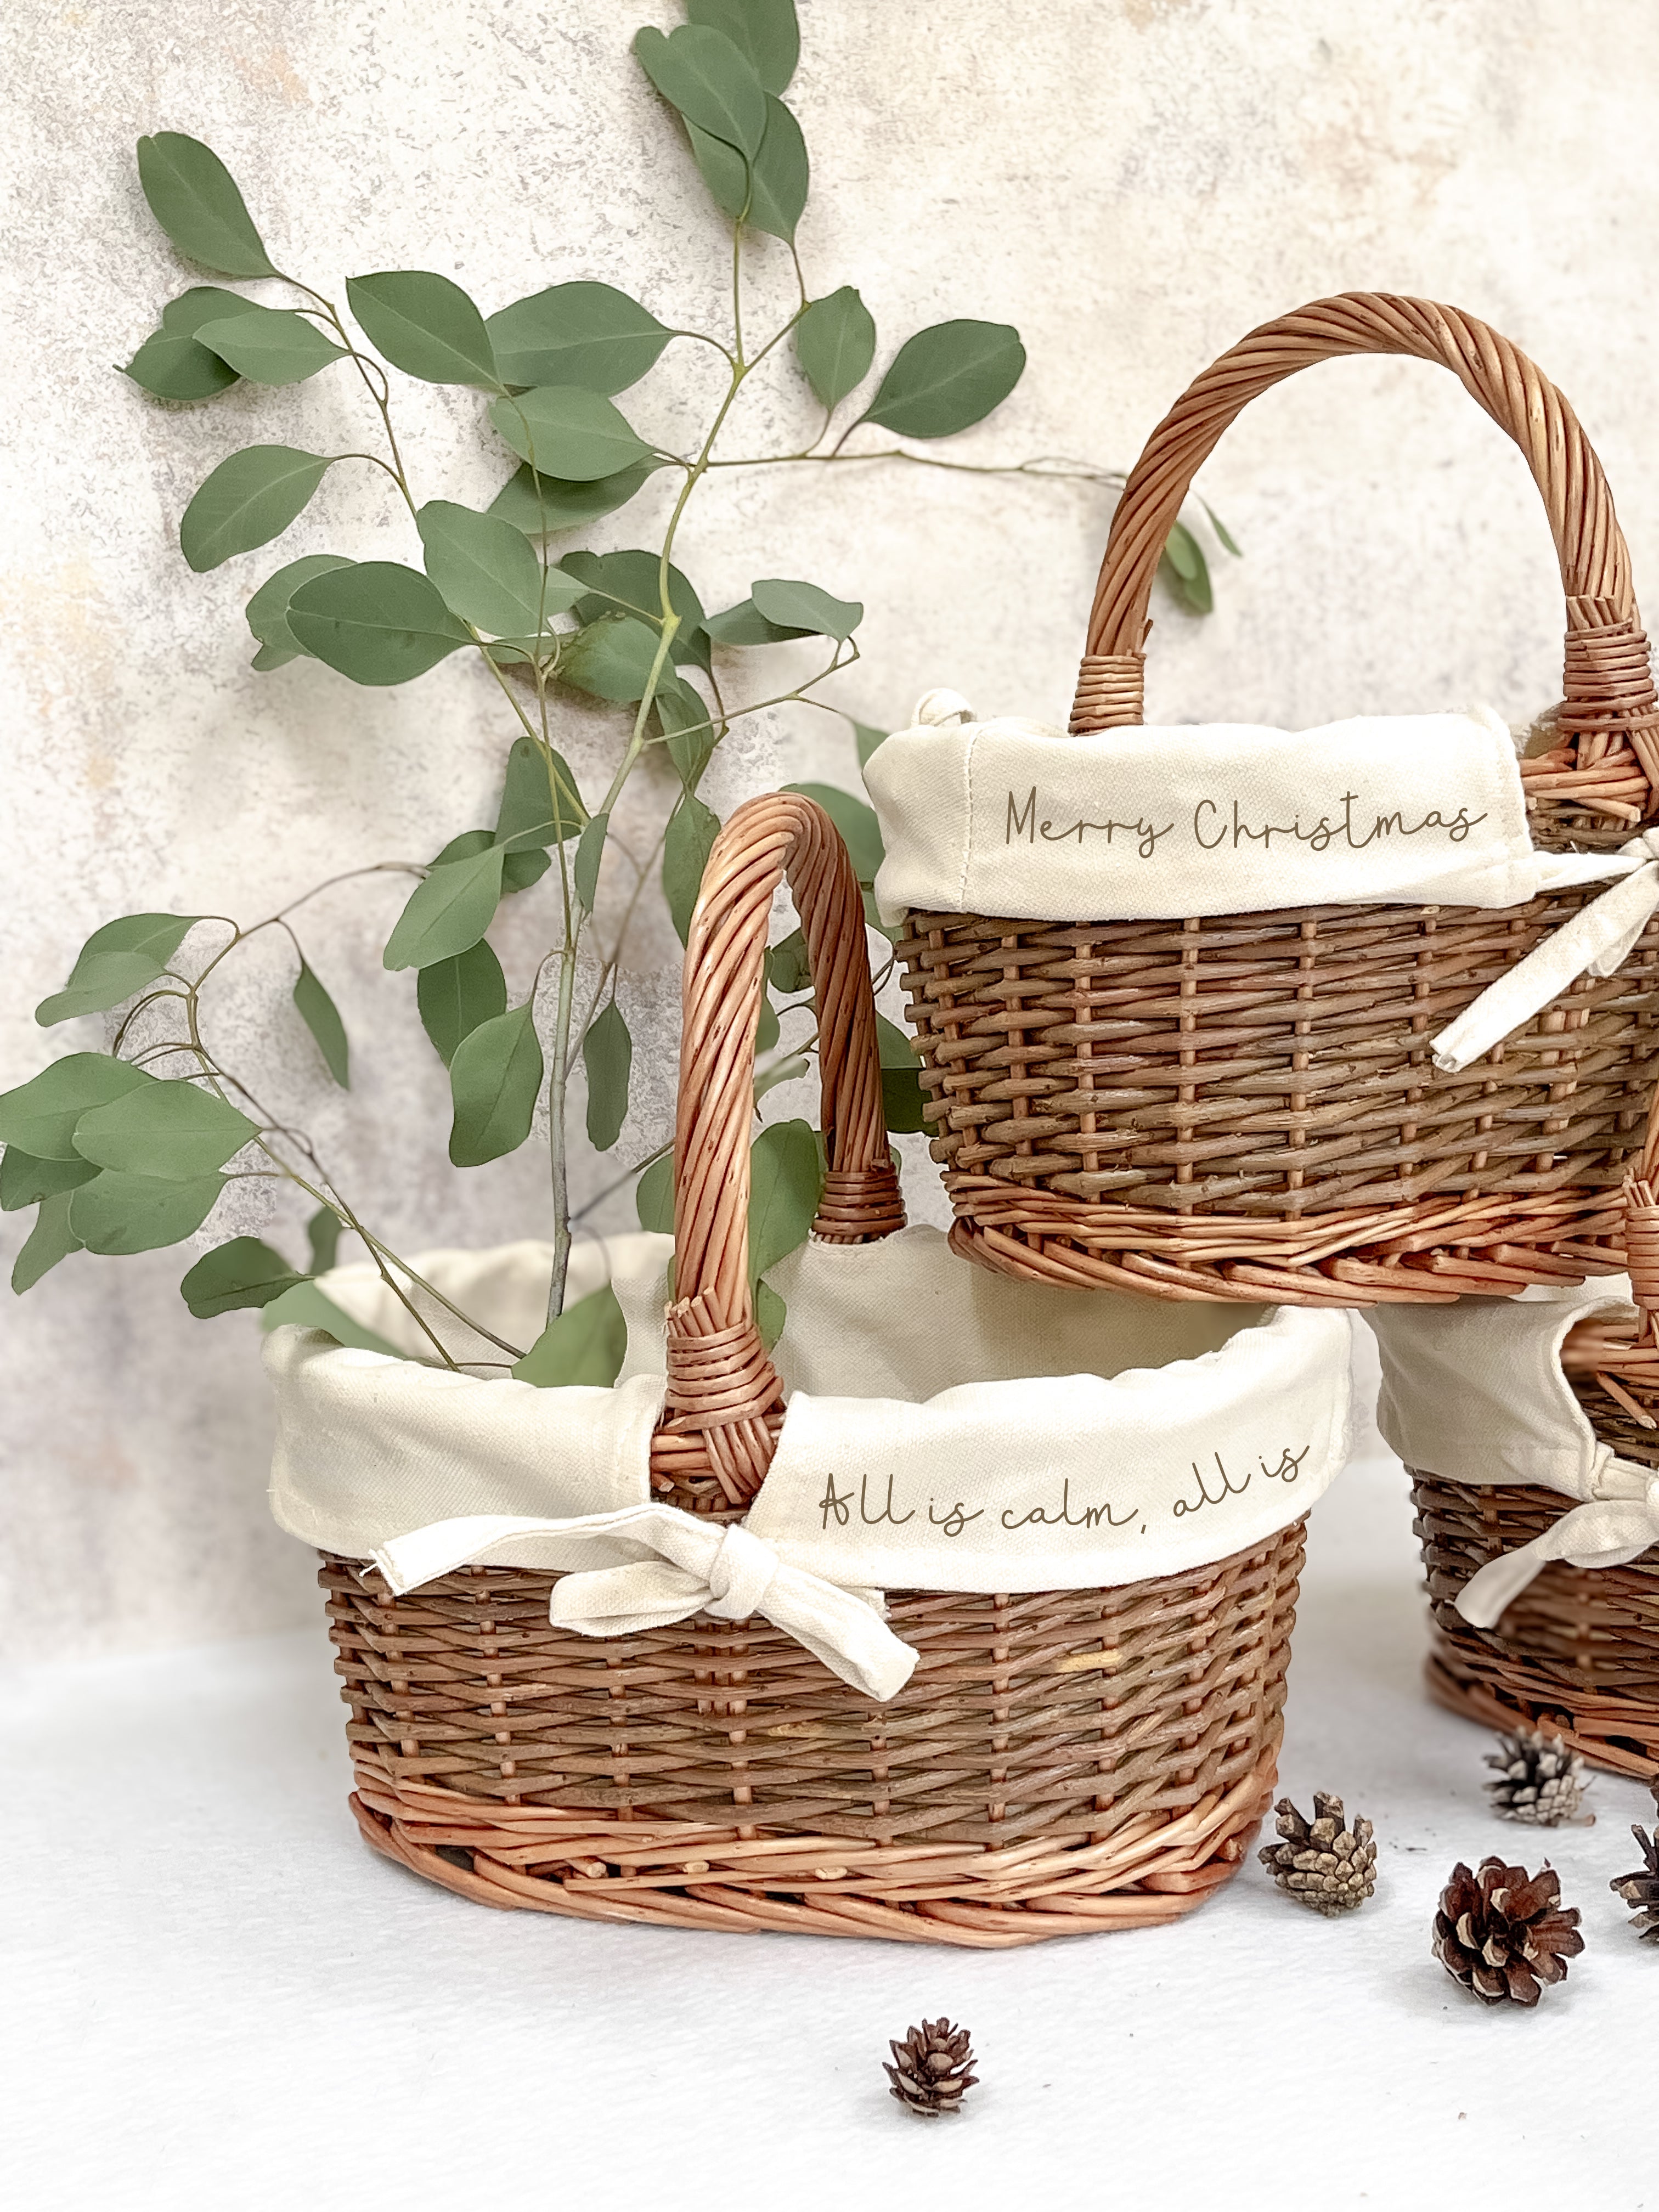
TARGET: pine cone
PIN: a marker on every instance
(930, 2073)
(1641, 1891)
(1322, 1863)
(1539, 1780)
(1502, 1932)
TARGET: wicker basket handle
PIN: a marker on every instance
(1608, 684)
(720, 1380)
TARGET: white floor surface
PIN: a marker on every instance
(215, 1995)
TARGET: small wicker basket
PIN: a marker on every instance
(1577, 1651)
(1058, 1763)
(1244, 1106)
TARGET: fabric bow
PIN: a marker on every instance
(1608, 1530)
(663, 1565)
(1599, 939)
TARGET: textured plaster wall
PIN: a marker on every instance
(1134, 183)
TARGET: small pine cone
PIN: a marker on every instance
(1322, 1863)
(1502, 1932)
(931, 2073)
(1640, 1890)
(1539, 1780)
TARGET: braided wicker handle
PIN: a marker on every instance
(1608, 684)
(720, 1381)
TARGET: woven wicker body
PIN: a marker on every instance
(1058, 1763)
(1244, 1106)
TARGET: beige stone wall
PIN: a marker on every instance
(1133, 183)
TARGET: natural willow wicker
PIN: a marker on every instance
(1577, 1651)
(1058, 1763)
(1243, 1106)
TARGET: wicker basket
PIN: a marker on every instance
(1060, 1763)
(1244, 1106)
(1578, 1649)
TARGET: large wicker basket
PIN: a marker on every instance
(1058, 1763)
(1577, 1651)
(1244, 1106)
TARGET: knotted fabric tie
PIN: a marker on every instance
(1598, 940)
(662, 1565)
(1608, 1530)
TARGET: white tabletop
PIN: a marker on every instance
(217, 1997)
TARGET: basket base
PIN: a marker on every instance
(1382, 1257)
(1600, 1728)
(678, 1875)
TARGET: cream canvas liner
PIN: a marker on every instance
(1476, 1392)
(1009, 818)
(947, 1429)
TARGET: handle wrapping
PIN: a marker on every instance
(720, 1381)
(1608, 690)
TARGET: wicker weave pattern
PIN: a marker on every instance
(1244, 1105)
(1058, 1763)
(1068, 1761)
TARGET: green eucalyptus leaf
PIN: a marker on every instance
(173, 1131)
(486, 570)
(194, 198)
(787, 968)
(611, 659)
(769, 193)
(894, 1047)
(172, 366)
(946, 378)
(566, 432)
(687, 843)
(584, 1345)
(902, 1095)
(590, 851)
(322, 1235)
(25, 1181)
(249, 499)
(786, 1182)
(41, 1114)
(456, 994)
(1226, 536)
(607, 1057)
(537, 808)
(701, 74)
(764, 32)
(244, 1273)
(50, 1239)
(116, 962)
(495, 1079)
(425, 325)
(745, 624)
(1186, 571)
(121, 1214)
(803, 607)
(267, 611)
(582, 334)
(269, 345)
(653, 1196)
(305, 1306)
(835, 344)
(687, 727)
(322, 1018)
(449, 911)
(770, 1314)
(520, 870)
(376, 621)
(202, 303)
(629, 582)
(767, 1031)
(860, 830)
(540, 505)
(867, 740)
